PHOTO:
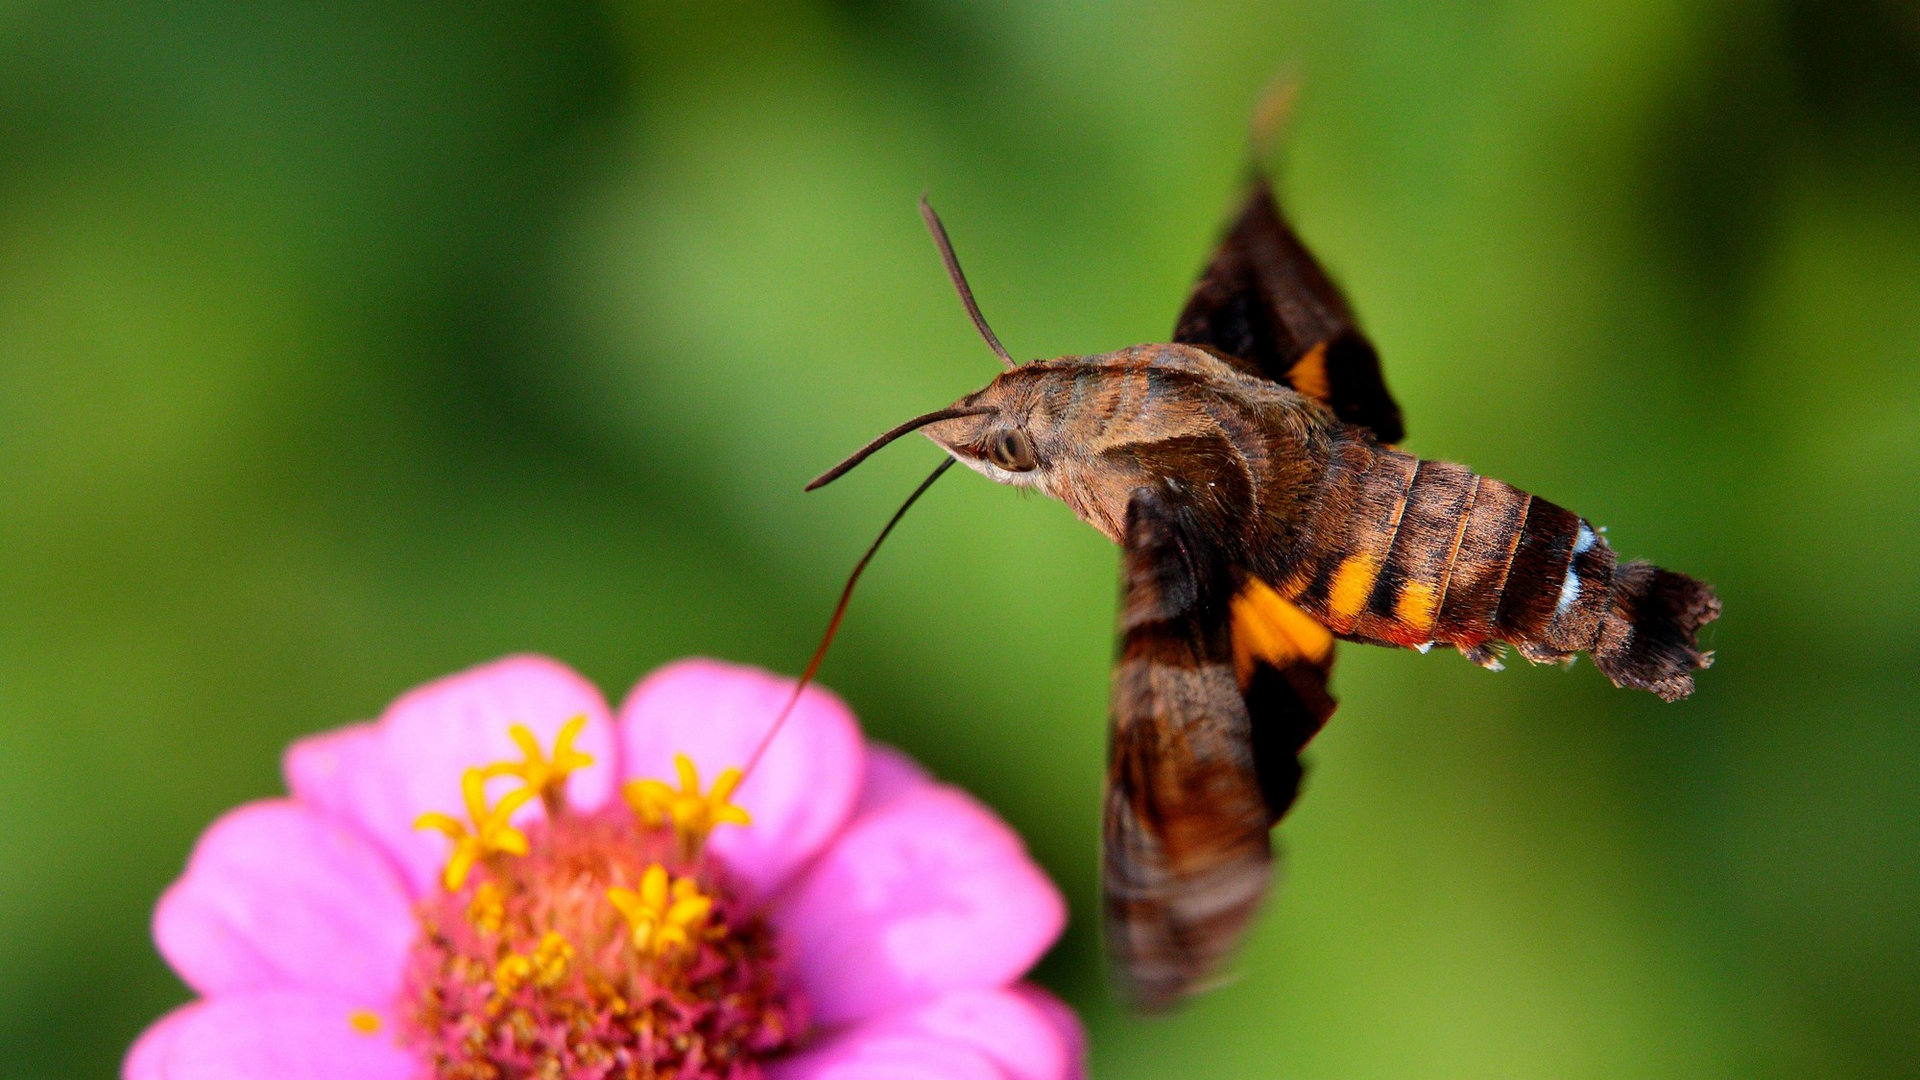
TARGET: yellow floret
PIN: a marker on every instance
(511, 973)
(490, 833)
(661, 917)
(488, 910)
(692, 814)
(544, 776)
(551, 958)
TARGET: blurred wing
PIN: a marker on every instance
(1202, 761)
(1265, 303)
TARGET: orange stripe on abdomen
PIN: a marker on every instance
(1403, 607)
(1344, 543)
(1379, 502)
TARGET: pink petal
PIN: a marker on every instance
(278, 895)
(1006, 1025)
(890, 774)
(892, 1055)
(146, 1057)
(270, 1035)
(343, 774)
(1065, 1021)
(804, 787)
(928, 894)
(426, 739)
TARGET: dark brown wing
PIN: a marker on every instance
(1201, 762)
(1263, 301)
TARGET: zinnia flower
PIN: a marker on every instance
(501, 879)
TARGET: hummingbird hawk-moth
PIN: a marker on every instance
(1248, 471)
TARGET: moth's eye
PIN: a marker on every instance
(1010, 450)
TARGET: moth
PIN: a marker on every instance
(1248, 471)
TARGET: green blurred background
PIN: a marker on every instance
(343, 346)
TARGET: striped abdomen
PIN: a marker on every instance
(1407, 552)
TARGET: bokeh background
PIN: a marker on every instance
(344, 346)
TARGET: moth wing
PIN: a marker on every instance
(1196, 778)
(1264, 303)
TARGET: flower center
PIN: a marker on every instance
(592, 945)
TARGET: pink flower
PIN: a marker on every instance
(836, 915)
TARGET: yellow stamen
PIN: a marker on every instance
(488, 911)
(693, 815)
(364, 1021)
(661, 918)
(511, 973)
(490, 833)
(544, 776)
(544, 968)
(551, 958)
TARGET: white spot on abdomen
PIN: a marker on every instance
(1570, 585)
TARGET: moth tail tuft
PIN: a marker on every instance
(1647, 635)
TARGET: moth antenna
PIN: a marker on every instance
(833, 624)
(947, 256)
(867, 451)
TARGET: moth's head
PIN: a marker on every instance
(1003, 431)
(1091, 430)
(1013, 430)
(1013, 438)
